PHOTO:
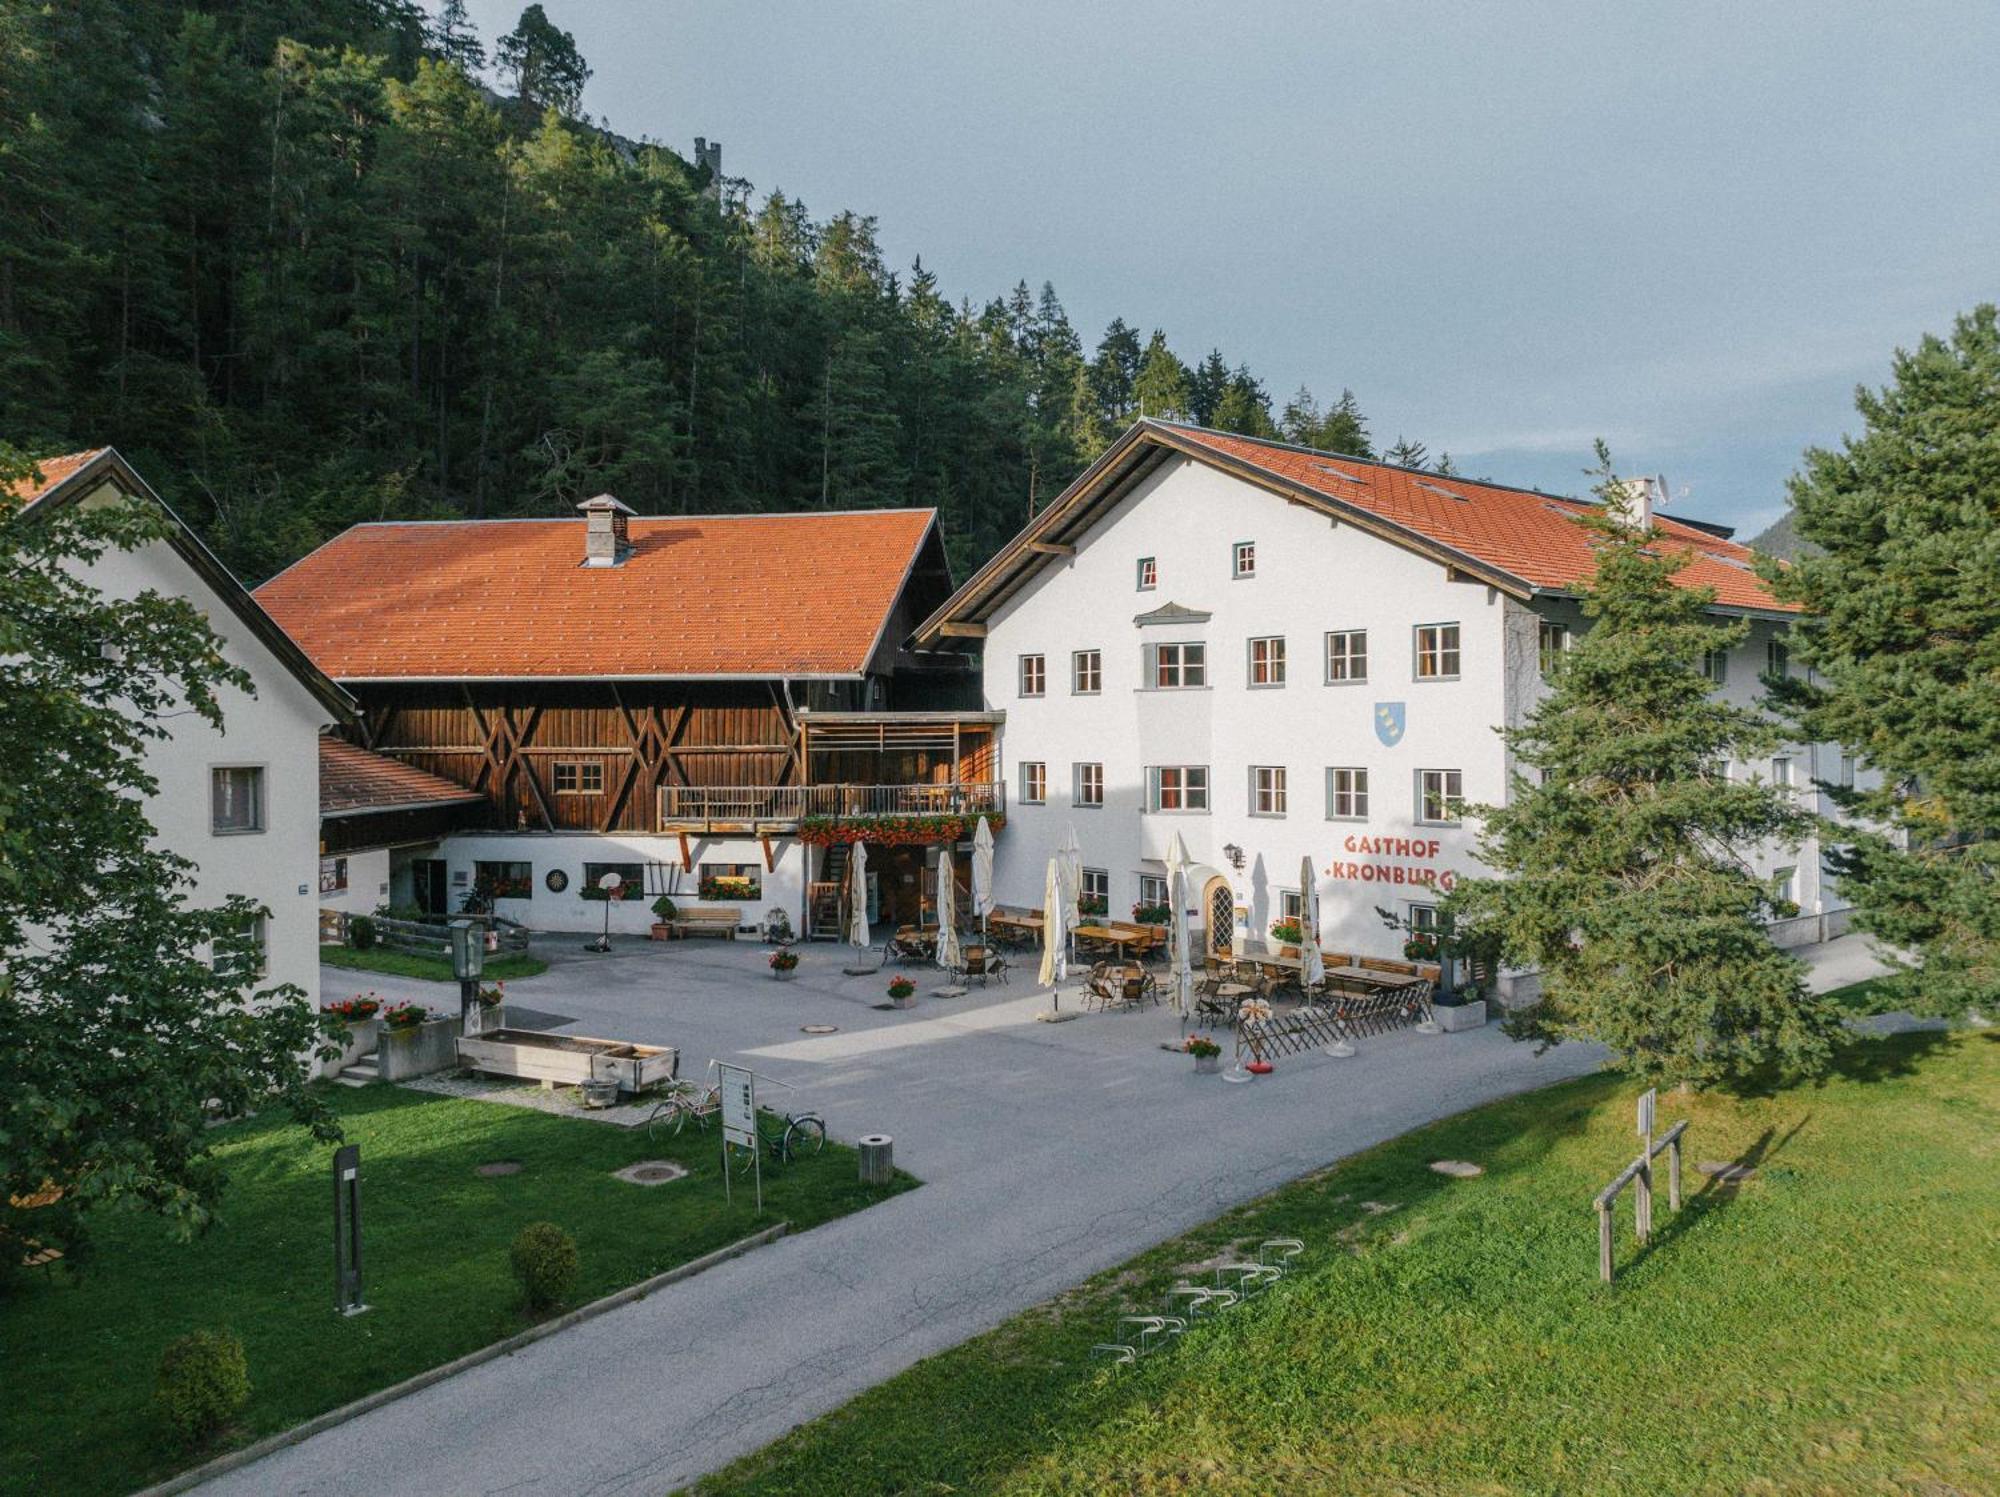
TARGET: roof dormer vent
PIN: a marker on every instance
(606, 540)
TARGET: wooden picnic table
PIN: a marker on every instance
(1110, 935)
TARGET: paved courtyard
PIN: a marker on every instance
(1048, 1152)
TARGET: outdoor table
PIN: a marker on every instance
(1372, 978)
(1110, 937)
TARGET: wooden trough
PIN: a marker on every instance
(568, 1059)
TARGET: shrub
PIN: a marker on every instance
(545, 1261)
(664, 908)
(406, 1016)
(203, 1383)
(361, 933)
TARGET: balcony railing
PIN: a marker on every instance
(684, 804)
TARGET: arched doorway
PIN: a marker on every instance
(1218, 904)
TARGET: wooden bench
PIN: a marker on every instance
(705, 919)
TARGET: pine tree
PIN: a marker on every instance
(1244, 407)
(1616, 875)
(1445, 468)
(1299, 422)
(1115, 370)
(1161, 389)
(1407, 454)
(456, 39)
(1207, 386)
(1902, 634)
(1344, 430)
(542, 61)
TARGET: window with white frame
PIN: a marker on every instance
(1095, 893)
(1034, 675)
(1089, 785)
(1347, 794)
(1179, 666)
(1177, 787)
(247, 955)
(1423, 918)
(1152, 890)
(1267, 661)
(236, 799)
(1149, 574)
(1847, 771)
(1440, 796)
(1782, 772)
(1551, 640)
(1086, 672)
(1243, 559)
(1777, 658)
(1267, 790)
(1346, 656)
(1290, 905)
(1715, 665)
(1437, 652)
(1786, 881)
(579, 777)
(1034, 782)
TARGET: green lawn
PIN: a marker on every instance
(1831, 1326)
(79, 1353)
(434, 968)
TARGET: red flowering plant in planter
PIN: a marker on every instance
(355, 1010)
(1201, 1047)
(901, 987)
(1151, 914)
(1286, 932)
(494, 996)
(406, 1016)
(783, 960)
(892, 831)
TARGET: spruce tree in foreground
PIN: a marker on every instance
(1904, 638)
(1617, 878)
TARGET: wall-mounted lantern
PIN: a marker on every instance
(1235, 855)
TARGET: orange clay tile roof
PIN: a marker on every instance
(55, 471)
(729, 595)
(355, 779)
(1526, 534)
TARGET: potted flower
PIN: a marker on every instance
(902, 992)
(405, 1016)
(784, 962)
(1287, 934)
(1207, 1054)
(356, 1010)
(1421, 946)
(663, 911)
(1151, 914)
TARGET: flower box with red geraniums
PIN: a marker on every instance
(1206, 1053)
(901, 991)
(356, 1010)
(1286, 932)
(1151, 914)
(405, 1016)
(1421, 947)
(892, 831)
(783, 963)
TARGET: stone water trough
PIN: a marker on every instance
(568, 1059)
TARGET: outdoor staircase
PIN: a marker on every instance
(823, 913)
(360, 1073)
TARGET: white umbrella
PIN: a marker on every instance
(857, 898)
(982, 872)
(1312, 969)
(947, 910)
(1072, 873)
(1177, 866)
(1055, 963)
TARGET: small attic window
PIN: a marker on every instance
(1339, 473)
(1446, 492)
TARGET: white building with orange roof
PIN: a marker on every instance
(241, 802)
(1283, 654)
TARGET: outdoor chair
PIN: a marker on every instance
(909, 948)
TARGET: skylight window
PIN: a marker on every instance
(1436, 490)
(1339, 473)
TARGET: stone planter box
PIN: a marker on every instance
(909, 1001)
(430, 1047)
(484, 1020)
(362, 1039)
(1452, 1017)
(1207, 1065)
(566, 1059)
(784, 974)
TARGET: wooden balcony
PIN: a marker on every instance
(764, 810)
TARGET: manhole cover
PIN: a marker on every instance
(1458, 1169)
(1725, 1171)
(819, 1029)
(495, 1167)
(651, 1172)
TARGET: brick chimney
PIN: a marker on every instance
(606, 541)
(1642, 497)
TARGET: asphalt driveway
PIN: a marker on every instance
(1048, 1152)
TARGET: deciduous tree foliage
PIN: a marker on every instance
(305, 270)
(1903, 637)
(119, 1038)
(1615, 875)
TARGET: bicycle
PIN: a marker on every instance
(786, 1136)
(684, 1102)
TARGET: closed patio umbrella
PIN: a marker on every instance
(857, 898)
(1312, 968)
(1072, 873)
(1177, 866)
(1055, 933)
(982, 872)
(947, 911)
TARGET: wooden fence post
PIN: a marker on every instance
(1604, 1240)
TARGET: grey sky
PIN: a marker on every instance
(1509, 228)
